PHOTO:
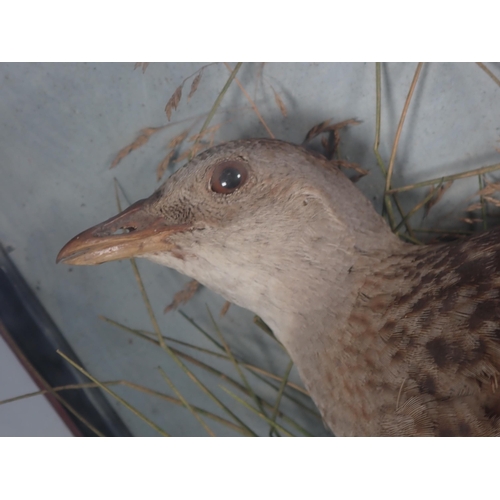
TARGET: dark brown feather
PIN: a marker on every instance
(436, 311)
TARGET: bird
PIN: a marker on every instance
(389, 338)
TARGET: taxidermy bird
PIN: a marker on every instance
(389, 338)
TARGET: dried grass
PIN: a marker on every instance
(184, 296)
(142, 65)
(142, 138)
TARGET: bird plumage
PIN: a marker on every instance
(389, 338)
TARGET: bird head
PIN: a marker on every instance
(258, 221)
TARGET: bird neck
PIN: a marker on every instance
(327, 336)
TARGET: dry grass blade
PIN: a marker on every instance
(175, 141)
(235, 363)
(489, 189)
(149, 336)
(280, 394)
(390, 168)
(326, 143)
(142, 139)
(252, 104)
(185, 295)
(137, 387)
(378, 116)
(387, 209)
(301, 405)
(416, 208)
(326, 126)
(52, 390)
(260, 77)
(263, 326)
(316, 130)
(205, 389)
(352, 166)
(211, 140)
(202, 331)
(435, 196)
(470, 220)
(146, 301)
(409, 238)
(256, 370)
(279, 102)
(217, 102)
(250, 367)
(452, 232)
(257, 412)
(208, 130)
(189, 153)
(454, 177)
(194, 85)
(142, 65)
(199, 410)
(173, 102)
(492, 200)
(225, 309)
(483, 200)
(111, 393)
(186, 404)
(473, 207)
(118, 188)
(42, 382)
(489, 73)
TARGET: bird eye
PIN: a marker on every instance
(228, 177)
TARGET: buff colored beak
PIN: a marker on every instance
(143, 233)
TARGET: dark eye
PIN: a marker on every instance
(228, 177)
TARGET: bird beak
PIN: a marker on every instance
(131, 233)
